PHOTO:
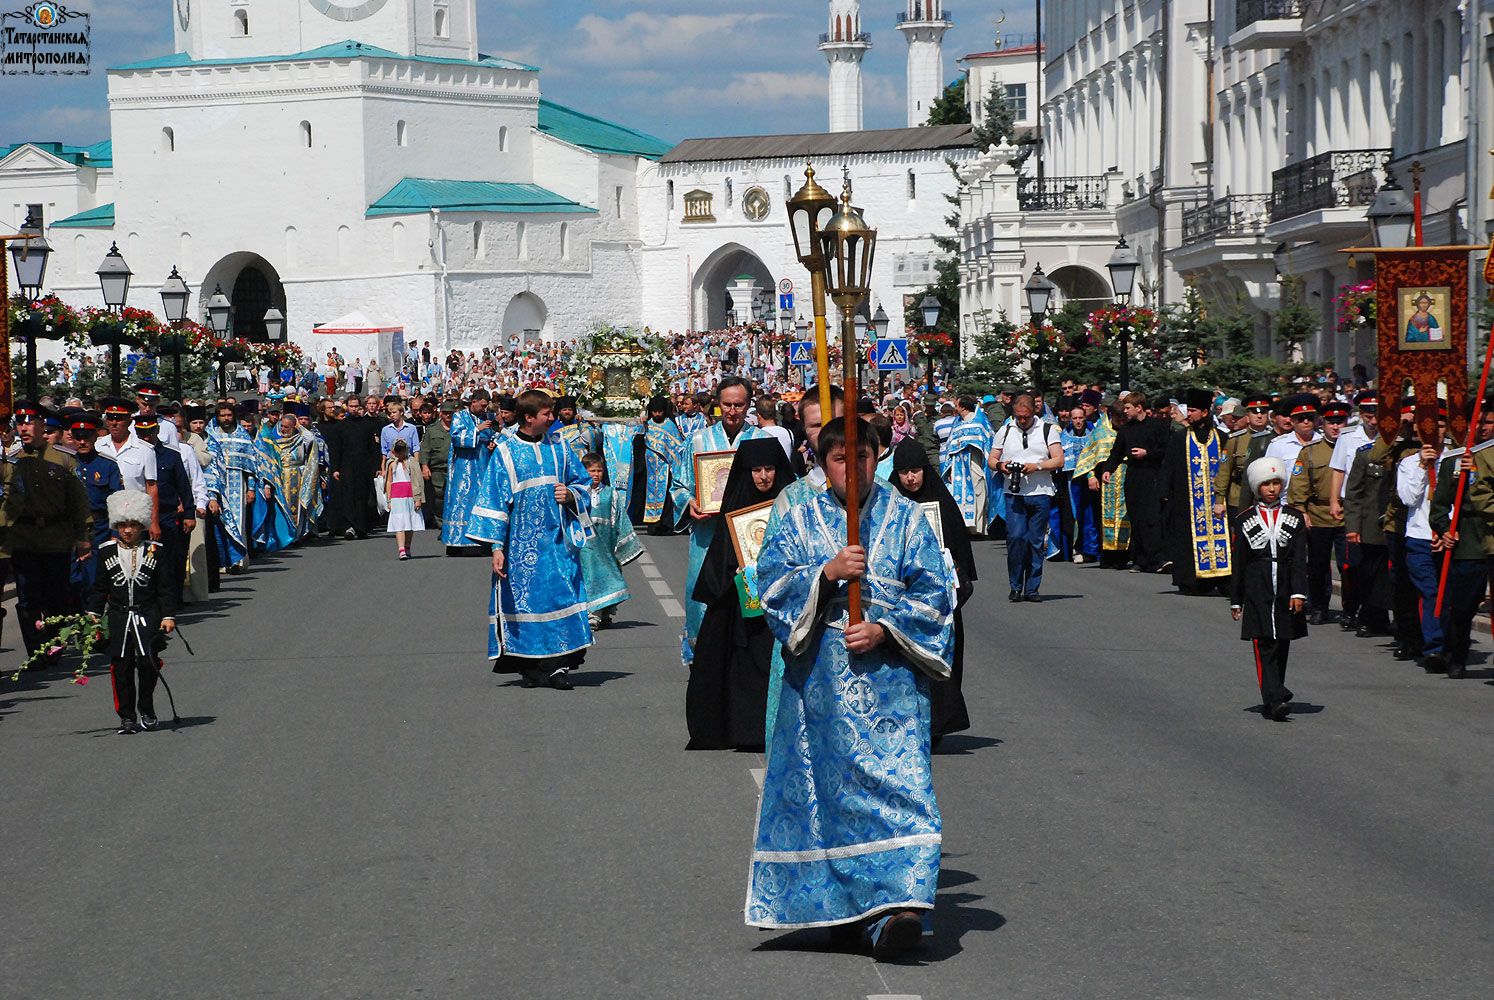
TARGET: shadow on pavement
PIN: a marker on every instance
(596, 678)
(619, 626)
(962, 745)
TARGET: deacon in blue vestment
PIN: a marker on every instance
(848, 831)
(611, 547)
(617, 454)
(962, 465)
(655, 455)
(231, 476)
(471, 445)
(732, 395)
(533, 508)
(290, 472)
(582, 436)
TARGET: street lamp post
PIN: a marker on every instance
(848, 248)
(1039, 293)
(861, 324)
(114, 280)
(930, 308)
(804, 334)
(879, 324)
(1392, 216)
(174, 296)
(810, 210)
(220, 318)
(1123, 266)
(29, 251)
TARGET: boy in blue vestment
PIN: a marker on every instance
(611, 546)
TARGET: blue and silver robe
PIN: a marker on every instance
(712, 438)
(580, 435)
(690, 423)
(537, 610)
(612, 546)
(962, 465)
(231, 478)
(848, 824)
(662, 444)
(617, 452)
(289, 466)
(464, 468)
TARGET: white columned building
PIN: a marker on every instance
(845, 45)
(923, 24)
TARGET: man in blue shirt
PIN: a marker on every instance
(397, 429)
(101, 477)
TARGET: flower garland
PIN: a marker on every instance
(1102, 325)
(647, 362)
(1354, 305)
(57, 318)
(80, 632)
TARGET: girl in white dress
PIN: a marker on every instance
(405, 491)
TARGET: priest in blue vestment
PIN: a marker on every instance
(962, 465)
(471, 444)
(654, 456)
(231, 475)
(533, 508)
(733, 396)
(848, 830)
(292, 489)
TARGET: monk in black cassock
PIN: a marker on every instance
(916, 478)
(1175, 489)
(1140, 443)
(353, 449)
(726, 700)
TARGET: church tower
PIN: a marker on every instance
(923, 25)
(845, 45)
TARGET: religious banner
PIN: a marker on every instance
(1211, 555)
(6, 389)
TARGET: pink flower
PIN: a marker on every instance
(40, 624)
(53, 651)
(80, 679)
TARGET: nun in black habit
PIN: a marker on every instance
(916, 478)
(726, 700)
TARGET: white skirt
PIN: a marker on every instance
(403, 516)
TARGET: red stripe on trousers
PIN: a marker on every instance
(1260, 675)
(114, 686)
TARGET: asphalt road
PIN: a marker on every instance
(356, 807)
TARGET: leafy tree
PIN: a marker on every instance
(950, 107)
(1294, 324)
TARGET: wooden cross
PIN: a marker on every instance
(1416, 171)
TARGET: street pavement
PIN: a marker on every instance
(355, 806)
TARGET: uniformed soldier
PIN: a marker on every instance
(435, 450)
(1408, 640)
(101, 478)
(1367, 495)
(148, 395)
(1231, 491)
(178, 511)
(1467, 576)
(44, 517)
(1311, 491)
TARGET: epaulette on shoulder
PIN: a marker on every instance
(1265, 433)
(1481, 446)
(1453, 453)
(1235, 434)
(1365, 447)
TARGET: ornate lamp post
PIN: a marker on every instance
(1039, 293)
(1123, 266)
(848, 247)
(174, 297)
(804, 329)
(879, 324)
(220, 318)
(930, 308)
(1392, 216)
(275, 329)
(114, 280)
(29, 251)
(809, 212)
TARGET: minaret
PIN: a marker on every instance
(845, 45)
(924, 26)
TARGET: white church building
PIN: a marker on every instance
(331, 156)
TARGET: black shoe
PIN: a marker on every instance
(560, 680)
(1434, 663)
(1404, 653)
(126, 727)
(1014, 597)
(1315, 617)
(350, 534)
(1280, 711)
(525, 681)
(1165, 566)
(1348, 622)
(149, 723)
(1456, 671)
(896, 934)
(1368, 632)
(1032, 598)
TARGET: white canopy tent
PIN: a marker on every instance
(356, 336)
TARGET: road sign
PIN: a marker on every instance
(801, 352)
(786, 302)
(892, 355)
(786, 287)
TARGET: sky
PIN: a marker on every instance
(674, 68)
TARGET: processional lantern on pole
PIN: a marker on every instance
(809, 211)
(848, 247)
(29, 252)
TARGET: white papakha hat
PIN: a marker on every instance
(1263, 470)
(129, 507)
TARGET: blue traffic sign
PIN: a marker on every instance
(801, 352)
(892, 355)
(786, 302)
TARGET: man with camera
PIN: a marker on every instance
(1028, 452)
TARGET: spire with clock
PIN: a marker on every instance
(217, 29)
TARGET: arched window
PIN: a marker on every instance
(292, 247)
(397, 241)
(565, 241)
(441, 22)
(669, 192)
(306, 134)
(522, 234)
(401, 133)
(479, 243)
(344, 245)
(912, 186)
(168, 140)
(241, 23)
(502, 138)
(728, 193)
(788, 187)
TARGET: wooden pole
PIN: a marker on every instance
(853, 452)
(821, 340)
(1457, 507)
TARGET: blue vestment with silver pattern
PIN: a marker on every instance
(848, 825)
(464, 466)
(662, 444)
(962, 465)
(230, 478)
(538, 608)
(617, 452)
(612, 546)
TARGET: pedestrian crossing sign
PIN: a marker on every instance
(801, 352)
(892, 355)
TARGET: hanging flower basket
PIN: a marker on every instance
(1354, 306)
(172, 344)
(110, 333)
(228, 354)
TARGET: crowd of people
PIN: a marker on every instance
(841, 662)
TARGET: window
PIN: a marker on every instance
(441, 31)
(669, 193)
(698, 206)
(479, 243)
(401, 133)
(1016, 100)
(523, 240)
(503, 138)
(912, 186)
(241, 23)
(306, 134)
(38, 214)
(168, 140)
(728, 194)
(565, 241)
(617, 201)
(788, 187)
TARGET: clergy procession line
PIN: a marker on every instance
(128, 510)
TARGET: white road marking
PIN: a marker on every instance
(671, 607)
(646, 559)
(660, 588)
(758, 773)
(651, 571)
(894, 996)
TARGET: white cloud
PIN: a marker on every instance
(645, 39)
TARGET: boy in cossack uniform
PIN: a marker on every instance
(1269, 596)
(134, 593)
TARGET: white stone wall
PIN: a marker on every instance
(1017, 67)
(30, 176)
(924, 31)
(282, 27)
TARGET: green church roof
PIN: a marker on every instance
(100, 154)
(417, 194)
(101, 217)
(596, 134)
(337, 50)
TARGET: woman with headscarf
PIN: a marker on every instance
(916, 478)
(726, 700)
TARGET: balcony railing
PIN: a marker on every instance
(1232, 215)
(1247, 12)
(1342, 179)
(944, 15)
(1060, 194)
(861, 36)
